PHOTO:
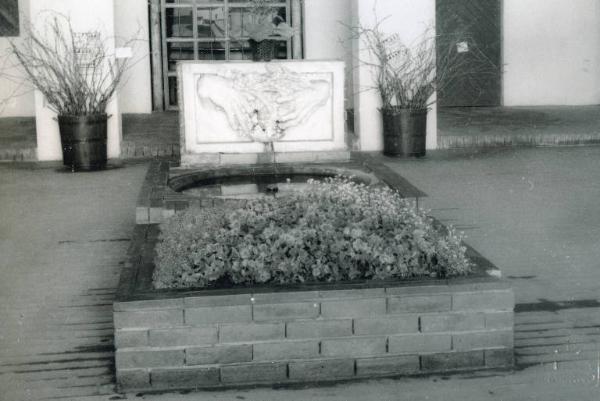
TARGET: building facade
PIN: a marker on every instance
(547, 51)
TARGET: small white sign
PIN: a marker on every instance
(462, 47)
(123, 52)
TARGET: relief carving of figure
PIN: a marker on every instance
(262, 106)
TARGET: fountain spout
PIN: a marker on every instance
(268, 156)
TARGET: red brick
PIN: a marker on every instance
(217, 300)
(388, 324)
(389, 365)
(319, 328)
(185, 336)
(420, 304)
(353, 346)
(185, 378)
(470, 285)
(287, 296)
(418, 343)
(156, 214)
(284, 350)
(499, 320)
(142, 215)
(129, 379)
(452, 322)
(148, 358)
(286, 311)
(131, 338)
(418, 290)
(451, 361)
(352, 293)
(480, 340)
(499, 358)
(488, 300)
(231, 333)
(327, 369)
(149, 318)
(272, 372)
(218, 314)
(353, 308)
(218, 354)
(153, 304)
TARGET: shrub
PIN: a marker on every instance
(337, 230)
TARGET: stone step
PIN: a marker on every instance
(590, 355)
(67, 393)
(524, 139)
(66, 364)
(529, 327)
(558, 332)
(557, 348)
(18, 154)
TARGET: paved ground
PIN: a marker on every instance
(533, 212)
(62, 239)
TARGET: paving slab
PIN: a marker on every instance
(532, 212)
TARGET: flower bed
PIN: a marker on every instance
(335, 230)
(193, 338)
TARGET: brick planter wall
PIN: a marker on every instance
(307, 336)
(186, 339)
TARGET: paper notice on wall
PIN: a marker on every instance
(123, 52)
(89, 48)
(462, 47)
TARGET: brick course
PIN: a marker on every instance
(204, 341)
(218, 354)
(319, 328)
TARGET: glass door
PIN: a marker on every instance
(209, 30)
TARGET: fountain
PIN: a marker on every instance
(249, 113)
(260, 128)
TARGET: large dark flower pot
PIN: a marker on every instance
(83, 141)
(263, 50)
(404, 131)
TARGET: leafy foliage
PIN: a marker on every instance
(337, 230)
(266, 22)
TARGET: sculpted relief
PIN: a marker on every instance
(261, 106)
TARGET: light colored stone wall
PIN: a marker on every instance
(131, 25)
(551, 52)
(15, 100)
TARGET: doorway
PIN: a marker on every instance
(208, 30)
(473, 29)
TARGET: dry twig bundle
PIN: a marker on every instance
(407, 75)
(75, 71)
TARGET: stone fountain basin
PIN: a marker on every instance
(167, 189)
(278, 335)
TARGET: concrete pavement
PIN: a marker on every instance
(533, 212)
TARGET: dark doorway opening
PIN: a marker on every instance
(473, 29)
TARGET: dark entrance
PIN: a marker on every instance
(473, 28)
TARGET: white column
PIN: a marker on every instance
(407, 18)
(85, 16)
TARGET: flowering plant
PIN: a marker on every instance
(264, 24)
(335, 230)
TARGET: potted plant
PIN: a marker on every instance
(265, 24)
(406, 77)
(78, 75)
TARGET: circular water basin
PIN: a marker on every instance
(236, 183)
